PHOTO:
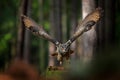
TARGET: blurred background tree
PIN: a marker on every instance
(59, 18)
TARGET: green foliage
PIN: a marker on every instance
(35, 10)
(4, 42)
(8, 32)
(8, 28)
(54, 74)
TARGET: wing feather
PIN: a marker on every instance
(87, 23)
(36, 29)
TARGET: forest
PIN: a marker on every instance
(94, 55)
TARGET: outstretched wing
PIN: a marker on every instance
(36, 29)
(87, 23)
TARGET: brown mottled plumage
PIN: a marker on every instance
(63, 50)
(87, 23)
(36, 29)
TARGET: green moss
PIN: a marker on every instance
(56, 74)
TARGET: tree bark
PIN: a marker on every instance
(68, 18)
(56, 28)
(106, 26)
(27, 38)
(64, 20)
(51, 46)
(88, 39)
(42, 49)
(74, 21)
(109, 22)
(21, 31)
(101, 29)
(57, 17)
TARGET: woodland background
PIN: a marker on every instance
(60, 18)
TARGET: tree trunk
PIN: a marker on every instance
(51, 46)
(21, 32)
(68, 18)
(106, 27)
(101, 29)
(109, 22)
(27, 35)
(64, 20)
(88, 39)
(42, 49)
(56, 28)
(57, 17)
(74, 20)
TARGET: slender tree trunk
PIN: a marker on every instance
(101, 29)
(42, 49)
(56, 27)
(20, 36)
(68, 18)
(21, 30)
(27, 35)
(64, 20)
(74, 20)
(88, 39)
(106, 27)
(109, 22)
(51, 46)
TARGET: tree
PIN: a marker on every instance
(88, 39)
(74, 22)
(42, 54)
(109, 22)
(106, 27)
(56, 27)
(27, 36)
(23, 35)
(101, 29)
